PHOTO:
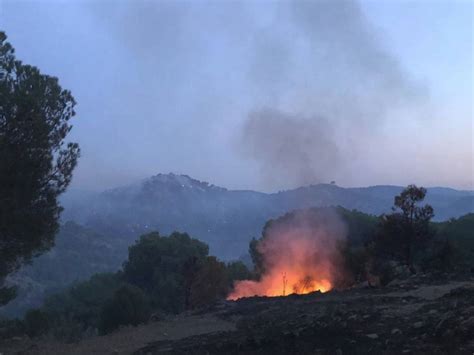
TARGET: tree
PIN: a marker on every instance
(82, 302)
(236, 271)
(210, 282)
(190, 271)
(256, 255)
(129, 305)
(407, 229)
(36, 163)
(36, 322)
(163, 267)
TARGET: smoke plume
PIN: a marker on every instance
(297, 150)
(329, 89)
(292, 91)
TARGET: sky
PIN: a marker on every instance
(263, 95)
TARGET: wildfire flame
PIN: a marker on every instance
(299, 256)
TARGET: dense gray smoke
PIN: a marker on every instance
(300, 88)
(335, 84)
(290, 148)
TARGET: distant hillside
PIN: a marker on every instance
(227, 219)
(78, 254)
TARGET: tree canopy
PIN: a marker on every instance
(163, 266)
(36, 163)
(408, 228)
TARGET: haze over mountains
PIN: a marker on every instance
(98, 228)
(228, 219)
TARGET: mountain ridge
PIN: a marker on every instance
(225, 218)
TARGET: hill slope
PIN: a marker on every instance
(227, 219)
(426, 314)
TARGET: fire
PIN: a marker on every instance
(300, 255)
(279, 285)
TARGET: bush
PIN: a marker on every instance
(83, 301)
(163, 267)
(237, 270)
(69, 330)
(441, 256)
(36, 323)
(356, 260)
(129, 306)
(210, 283)
(10, 328)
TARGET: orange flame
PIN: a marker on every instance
(298, 257)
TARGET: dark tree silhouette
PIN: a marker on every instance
(408, 227)
(210, 282)
(36, 164)
(165, 267)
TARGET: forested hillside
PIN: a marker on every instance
(228, 219)
(80, 252)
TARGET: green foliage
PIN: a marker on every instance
(36, 164)
(156, 264)
(36, 323)
(441, 255)
(79, 253)
(256, 256)
(7, 294)
(237, 270)
(407, 231)
(10, 328)
(128, 306)
(210, 282)
(361, 227)
(456, 241)
(162, 273)
(83, 302)
(355, 262)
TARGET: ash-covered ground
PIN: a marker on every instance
(424, 314)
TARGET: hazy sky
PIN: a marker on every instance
(260, 94)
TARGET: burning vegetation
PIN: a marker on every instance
(297, 254)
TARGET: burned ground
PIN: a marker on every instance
(431, 314)
(418, 315)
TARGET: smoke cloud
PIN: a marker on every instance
(292, 91)
(333, 86)
(290, 148)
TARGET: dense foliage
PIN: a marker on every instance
(83, 302)
(163, 274)
(360, 228)
(78, 254)
(36, 163)
(128, 306)
(158, 265)
(169, 274)
(378, 249)
(407, 230)
(457, 235)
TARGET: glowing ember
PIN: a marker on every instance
(300, 255)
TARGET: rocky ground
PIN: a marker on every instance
(430, 314)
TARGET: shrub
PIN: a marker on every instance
(10, 328)
(128, 306)
(163, 267)
(356, 260)
(36, 323)
(237, 270)
(210, 283)
(83, 301)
